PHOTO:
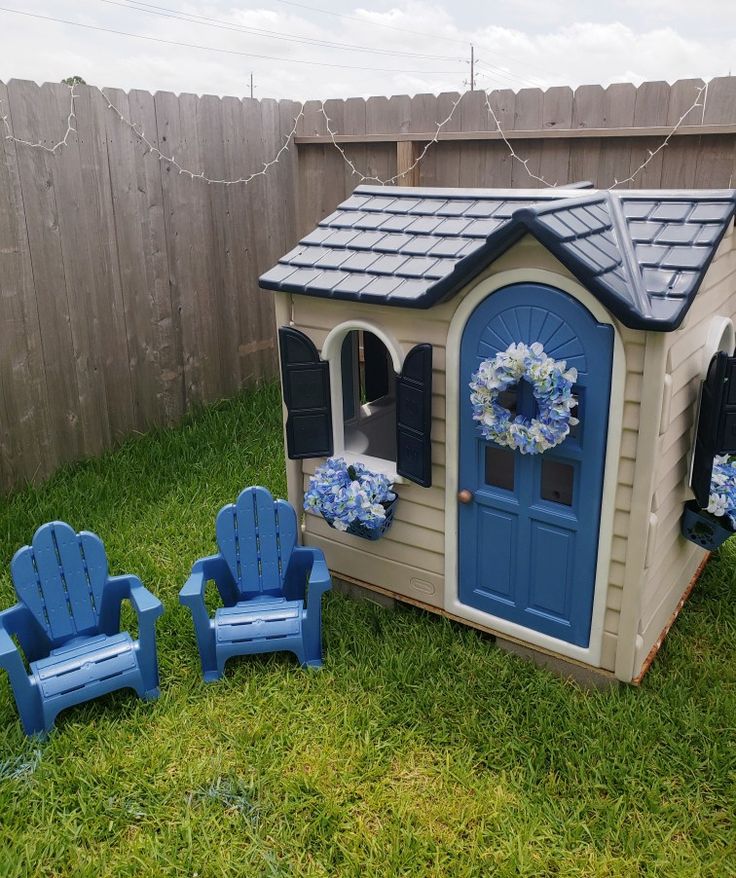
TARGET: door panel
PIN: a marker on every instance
(528, 541)
(496, 564)
(553, 549)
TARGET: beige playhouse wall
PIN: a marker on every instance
(671, 561)
(409, 560)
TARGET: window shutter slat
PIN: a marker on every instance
(306, 389)
(414, 416)
(716, 427)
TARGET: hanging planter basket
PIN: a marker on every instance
(704, 529)
(359, 529)
(351, 498)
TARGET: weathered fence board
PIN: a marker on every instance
(128, 291)
(24, 424)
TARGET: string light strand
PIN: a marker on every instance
(70, 129)
(703, 90)
(170, 159)
(137, 129)
(368, 178)
(523, 162)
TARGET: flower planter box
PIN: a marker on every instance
(358, 529)
(703, 529)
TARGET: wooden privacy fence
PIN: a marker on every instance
(128, 291)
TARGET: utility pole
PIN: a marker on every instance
(472, 67)
(251, 84)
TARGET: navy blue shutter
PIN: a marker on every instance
(716, 427)
(414, 416)
(306, 388)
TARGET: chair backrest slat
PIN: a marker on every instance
(256, 536)
(267, 544)
(246, 521)
(60, 578)
(286, 533)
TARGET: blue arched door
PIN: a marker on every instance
(528, 537)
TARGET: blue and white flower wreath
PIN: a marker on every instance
(552, 384)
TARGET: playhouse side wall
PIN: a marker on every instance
(409, 561)
(672, 561)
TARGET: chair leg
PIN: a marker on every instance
(312, 640)
(33, 722)
(148, 663)
(212, 675)
(206, 644)
(298, 651)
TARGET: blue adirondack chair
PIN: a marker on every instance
(67, 621)
(262, 576)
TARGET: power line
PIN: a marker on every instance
(403, 30)
(493, 72)
(121, 33)
(220, 24)
(498, 73)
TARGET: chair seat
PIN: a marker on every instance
(261, 619)
(87, 661)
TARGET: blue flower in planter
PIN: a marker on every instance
(345, 494)
(722, 500)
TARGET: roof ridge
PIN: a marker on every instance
(626, 245)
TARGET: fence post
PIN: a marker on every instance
(406, 155)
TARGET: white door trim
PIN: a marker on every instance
(591, 654)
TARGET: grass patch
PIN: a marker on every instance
(420, 750)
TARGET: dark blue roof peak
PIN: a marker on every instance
(643, 253)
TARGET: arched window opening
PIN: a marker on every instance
(368, 396)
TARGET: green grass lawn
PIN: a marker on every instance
(420, 749)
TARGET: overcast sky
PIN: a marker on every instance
(417, 46)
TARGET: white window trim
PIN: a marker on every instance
(331, 353)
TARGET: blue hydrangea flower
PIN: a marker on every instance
(344, 493)
(722, 499)
(552, 383)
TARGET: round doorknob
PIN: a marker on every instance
(465, 496)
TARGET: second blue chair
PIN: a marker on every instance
(270, 587)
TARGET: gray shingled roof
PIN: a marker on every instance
(642, 253)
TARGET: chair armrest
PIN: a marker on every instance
(215, 568)
(128, 587)
(306, 565)
(193, 588)
(19, 621)
(319, 580)
(11, 659)
(144, 602)
(7, 647)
